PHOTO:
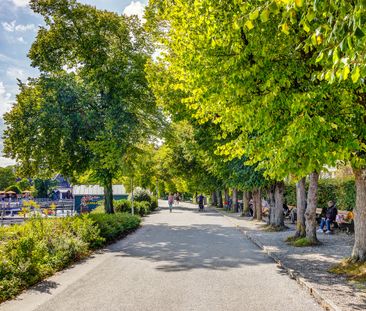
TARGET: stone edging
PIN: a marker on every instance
(323, 301)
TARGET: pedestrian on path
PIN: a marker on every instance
(201, 202)
(170, 201)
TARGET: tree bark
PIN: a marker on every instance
(257, 204)
(245, 203)
(300, 208)
(359, 248)
(310, 214)
(235, 200)
(214, 198)
(108, 196)
(279, 200)
(272, 204)
(219, 199)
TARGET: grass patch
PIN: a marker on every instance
(353, 270)
(301, 242)
(291, 239)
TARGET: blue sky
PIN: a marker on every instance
(18, 28)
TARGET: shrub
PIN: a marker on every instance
(113, 226)
(142, 195)
(153, 204)
(14, 188)
(39, 247)
(142, 208)
(343, 192)
(122, 206)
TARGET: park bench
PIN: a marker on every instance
(347, 227)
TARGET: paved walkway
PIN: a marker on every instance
(311, 263)
(183, 260)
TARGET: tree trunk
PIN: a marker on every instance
(245, 203)
(226, 197)
(257, 204)
(300, 208)
(359, 248)
(235, 200)
(310, 214)
(108, 196)
(219, 199)
(214, 198)
(279, 200)
(272, 204)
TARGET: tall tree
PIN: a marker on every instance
(94, 115)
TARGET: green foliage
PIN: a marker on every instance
(343, 192)
(302, 242)
(7, 177)
(38, 248)
(88, 119)
(141, 194)
(122, 206)
(142, 208)
(290, 194)
(14, 188)
(154, 204)
(24, 184)
(114, 226)
(44, 187)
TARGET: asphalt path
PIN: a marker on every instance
(184, 260)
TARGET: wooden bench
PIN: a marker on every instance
(347, 227)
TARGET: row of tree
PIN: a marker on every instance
(275, 84)
(254, 91)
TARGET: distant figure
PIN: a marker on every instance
(201, 202)
(251, 207)
(330, 216)
(170, 201)
(177, 198)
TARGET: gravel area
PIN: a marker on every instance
(311, 263)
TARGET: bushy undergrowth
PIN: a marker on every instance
(114, 226)
(141, 208)
(343, 192)
(38, 248)
(142, 195)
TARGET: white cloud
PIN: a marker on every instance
(135, 8)
(21, 40)
(5, 99)
(21, 3)
(16, 73)
(12, 26)
(26, 27)
(6, 162)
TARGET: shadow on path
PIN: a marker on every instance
(182, 248)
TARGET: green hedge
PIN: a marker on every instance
(31, 251)
(140, 208)
(342, 192)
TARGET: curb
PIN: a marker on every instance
(323, 301)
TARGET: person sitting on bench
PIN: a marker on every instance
(330, 216)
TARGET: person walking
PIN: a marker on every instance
(170, 201)
(201, 202)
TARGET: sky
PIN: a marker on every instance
(18, 28)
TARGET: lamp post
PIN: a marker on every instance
(132, 209)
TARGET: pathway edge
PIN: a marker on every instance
(293, 274)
